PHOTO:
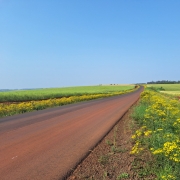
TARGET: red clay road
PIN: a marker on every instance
(47, 144)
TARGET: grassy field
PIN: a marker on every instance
(171, 92)
(51, 93)
(166, 87)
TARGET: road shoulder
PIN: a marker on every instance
(111, 158)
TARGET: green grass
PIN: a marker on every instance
(123, 176)
(166, 87)
(138, 113)
(50, 93)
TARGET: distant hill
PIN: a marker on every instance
(4, 90)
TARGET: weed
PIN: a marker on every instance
(105, 175)
(118, 149)
(123, 176)
(108, 142)
(103, 159)
(114, 136)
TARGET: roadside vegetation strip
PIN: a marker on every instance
(18, 108)
(158, 128)
(52, 93)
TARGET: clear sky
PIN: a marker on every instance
(57, 43)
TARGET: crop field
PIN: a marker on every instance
(170, 89)
(171, 92)
(14, 104)
(166, 87)
(51, 93)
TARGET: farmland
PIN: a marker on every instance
(17, 102)
(51, 93)
(171, 89)
(166, 87)
(171, 92)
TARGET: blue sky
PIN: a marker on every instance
(61, 43)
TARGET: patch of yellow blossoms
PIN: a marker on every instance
(160, 133)
(161, 130)
(17, 108)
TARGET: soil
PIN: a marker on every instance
(111, 158)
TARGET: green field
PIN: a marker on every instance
(50, 93)
(171, 92)
(171, 89)
(166, 87)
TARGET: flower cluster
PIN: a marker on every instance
(160, 133)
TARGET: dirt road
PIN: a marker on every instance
(47, 144)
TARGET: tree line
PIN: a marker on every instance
(164, 82)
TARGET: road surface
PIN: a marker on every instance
(47, 144)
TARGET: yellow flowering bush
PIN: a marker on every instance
(161, 135)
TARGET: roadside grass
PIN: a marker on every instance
(156, 137)
(8, 109)
(52, 93)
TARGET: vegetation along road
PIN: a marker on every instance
(47, 144)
